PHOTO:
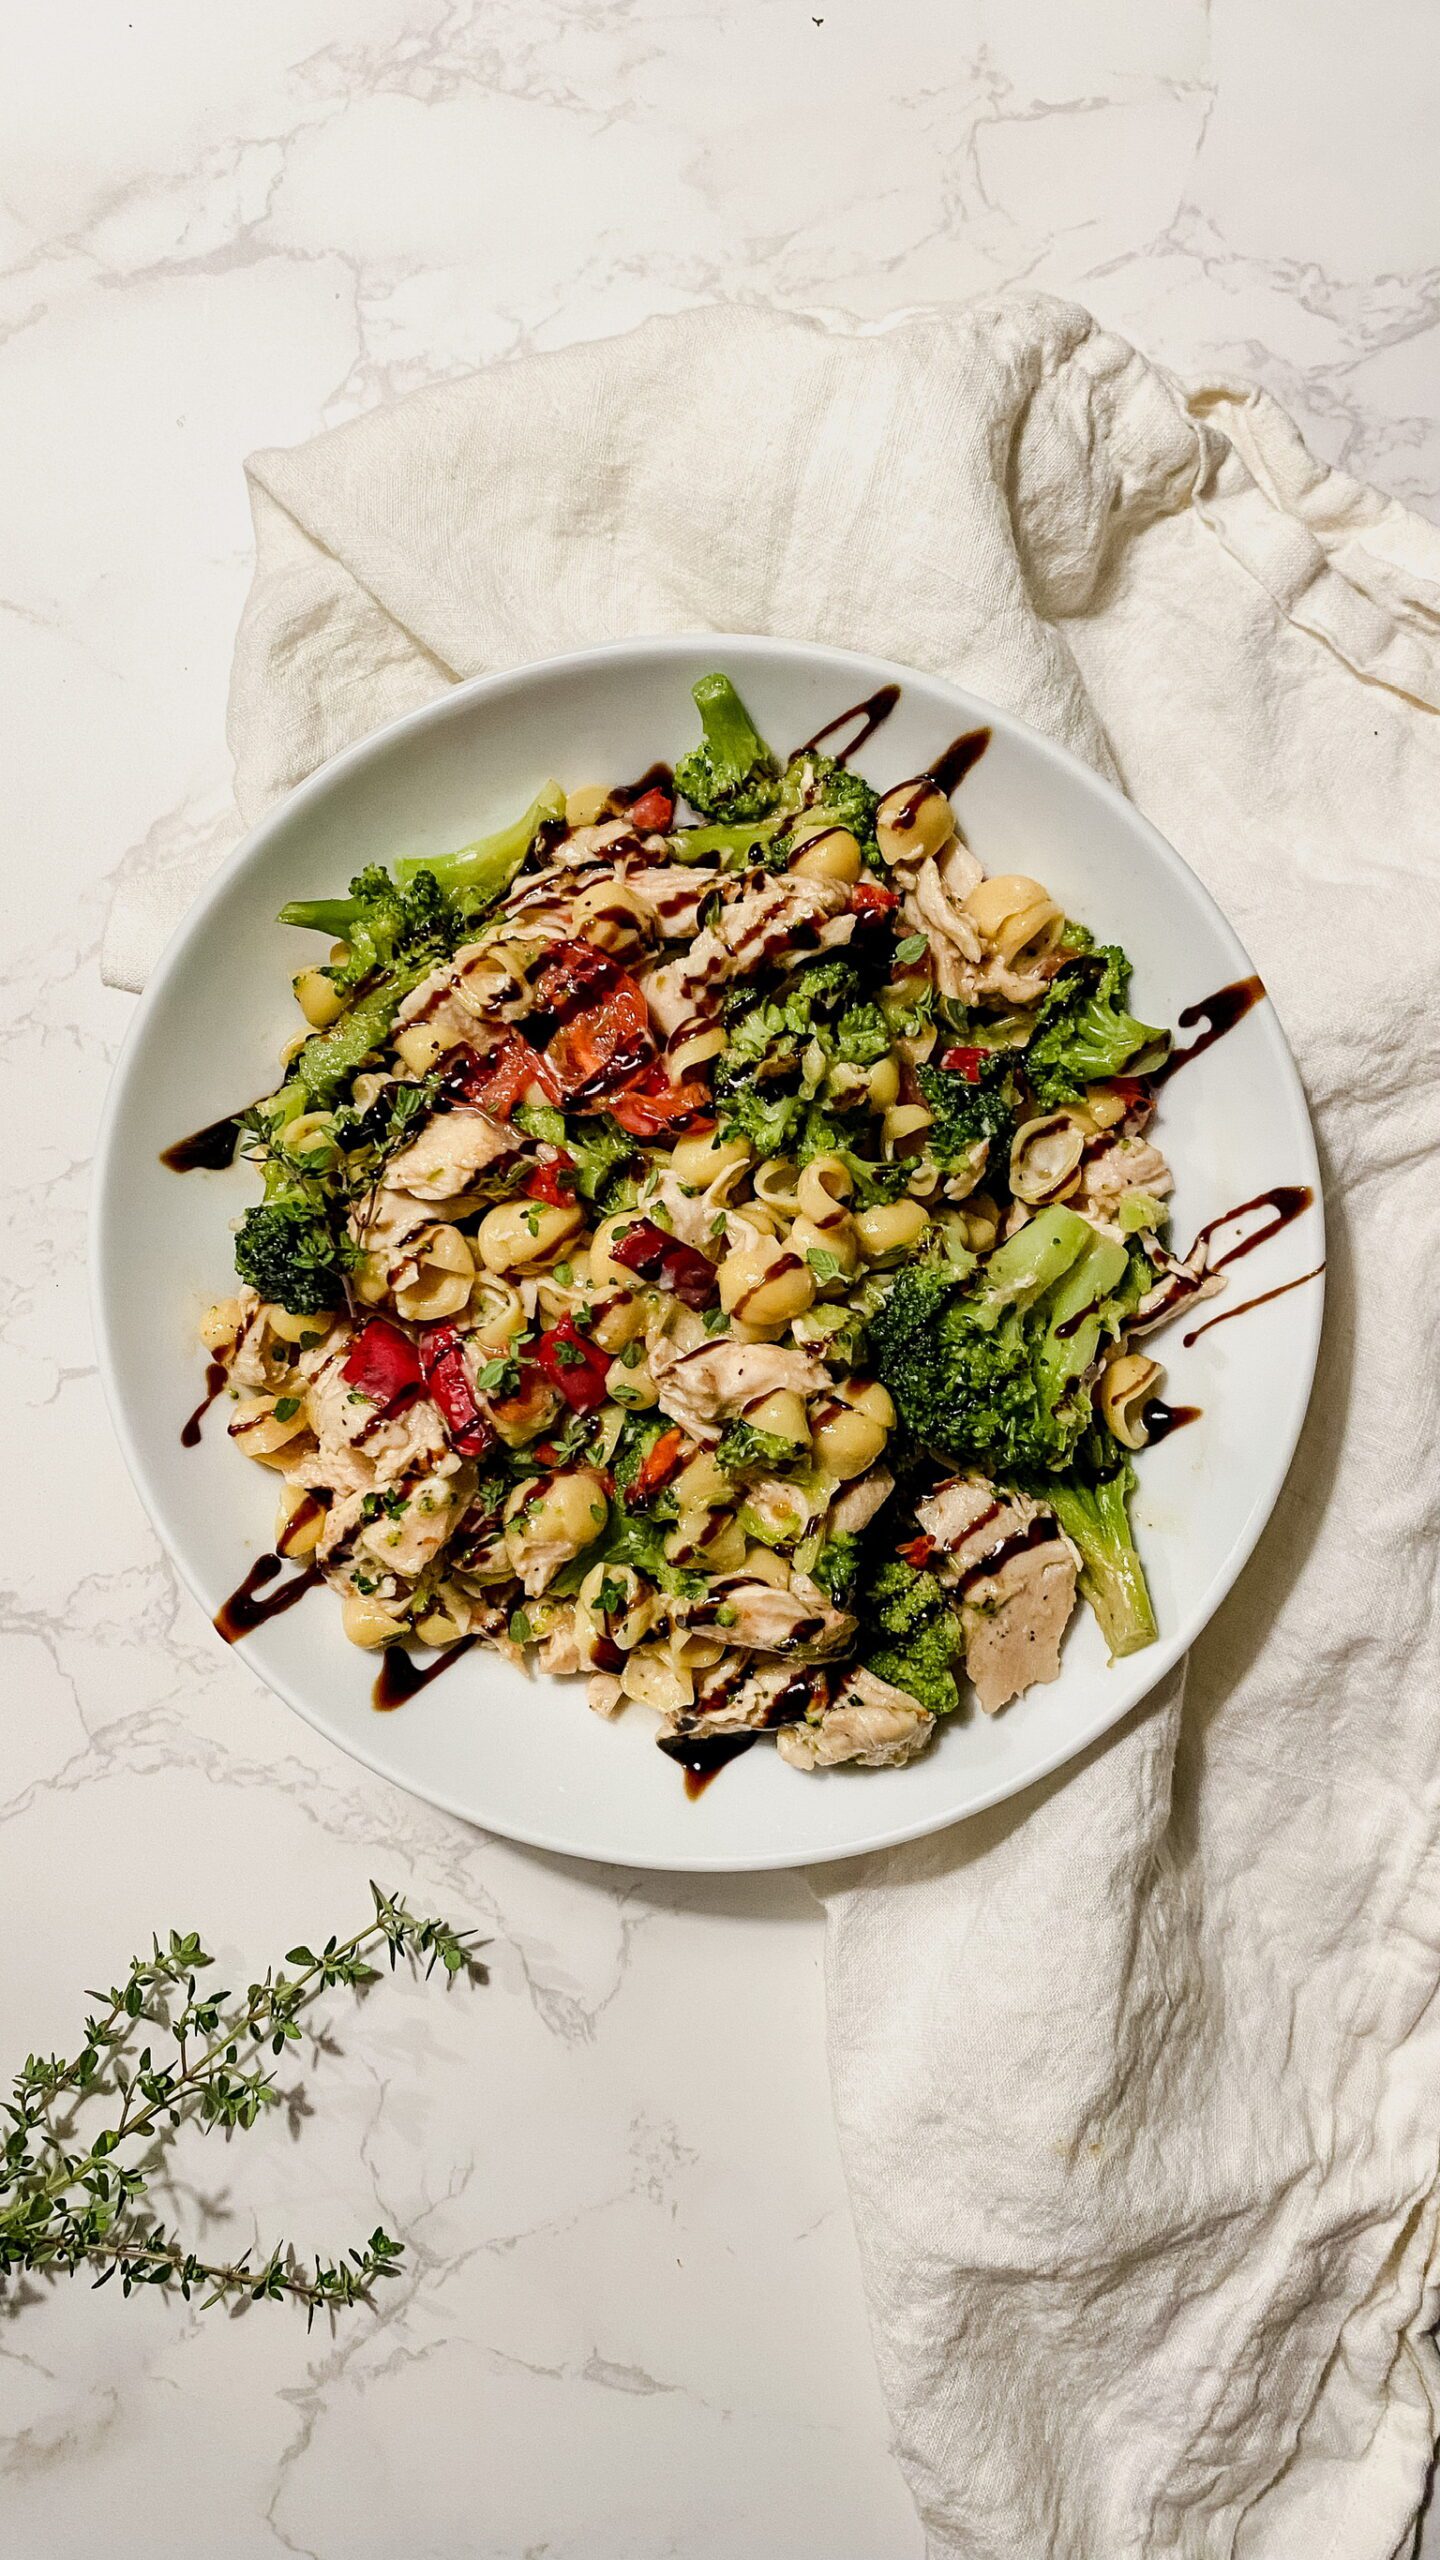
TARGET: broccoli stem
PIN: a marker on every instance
(735, 744)
(334, 916)
(484, 870)
(723, 842)
(1112, 1577)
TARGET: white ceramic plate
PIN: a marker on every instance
(522, 1756)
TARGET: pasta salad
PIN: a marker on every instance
(706, 1229)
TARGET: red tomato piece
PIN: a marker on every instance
(603, 1030)
(651, 1254)
(494, 1084)
(554, 1181)
(870, 902)
(383, 1364)
(578, 1368)
(651, 814)
(447, 1375)
(652, 1107)
(964, 1062)
(660, 1462)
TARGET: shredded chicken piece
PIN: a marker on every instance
(1014, 1620)
(871, 1721)
(856, 1506)
(1128, 1164)
(763, 1619)
(603, 1694)
(969, 1520)
(964, 968)
(418, 1517)
(741, 1694)
(696, 1387)
(449, 1152)
(410, 1442)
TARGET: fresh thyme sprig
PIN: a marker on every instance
(68, 2201)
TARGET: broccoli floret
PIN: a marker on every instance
(988, 1370)
(921, 1638)
(732, 773)
(768, 1123)
(964, 1108)
(743, 1450)
(1096, 1515)
(595, 1149)
(289, 1251)
(383, 923)
(862, 1036)
(837, 1566)
(821, 787)
(1082, 1031)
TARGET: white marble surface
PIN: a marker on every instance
(630, 2322)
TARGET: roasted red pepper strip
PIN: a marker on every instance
(446, 1374)
(554, 1182)
(917, 1551)
(652, 1107)
(652, 1255)
(964, 1062)
(660, 1462)
(383, 1364)
(651, 814)
(869, 901)
(577, 1367)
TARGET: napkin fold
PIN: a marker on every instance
(1138, 2077)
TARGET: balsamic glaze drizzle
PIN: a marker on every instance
(243, 1612)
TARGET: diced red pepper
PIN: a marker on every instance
(870, 902)
(383, 1364)
(447, 1376)
(661, 1461)
(652, 1107)
(579, 1369)
(917, 1551)
(553, 1181)
(651, 814)
(964, 1062)
(651, 1254)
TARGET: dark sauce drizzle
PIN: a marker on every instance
(1289, 1200)
(214, 1385)
(207, 1150)
(703, 1756)
(243, 1612)
(1246, 1304)
(875, 708)
(946, 773)
(1041, 1533)
(1219, 1013)
(1160, 1418)
(658, 777)
(401, 1677)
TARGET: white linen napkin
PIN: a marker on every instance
(1138, 2078)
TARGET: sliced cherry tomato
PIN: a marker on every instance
(964, 1062)
(578, 1368)
(651, 814)
(383, 1364)
(447, 1375)
(554, 1181)
(652, 1107)
(493, 1084)
(603, 1033)
(870, 902)
(917, 1551)
(660, 1462)
(651, 1254)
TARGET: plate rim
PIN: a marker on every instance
(1158, 1661)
